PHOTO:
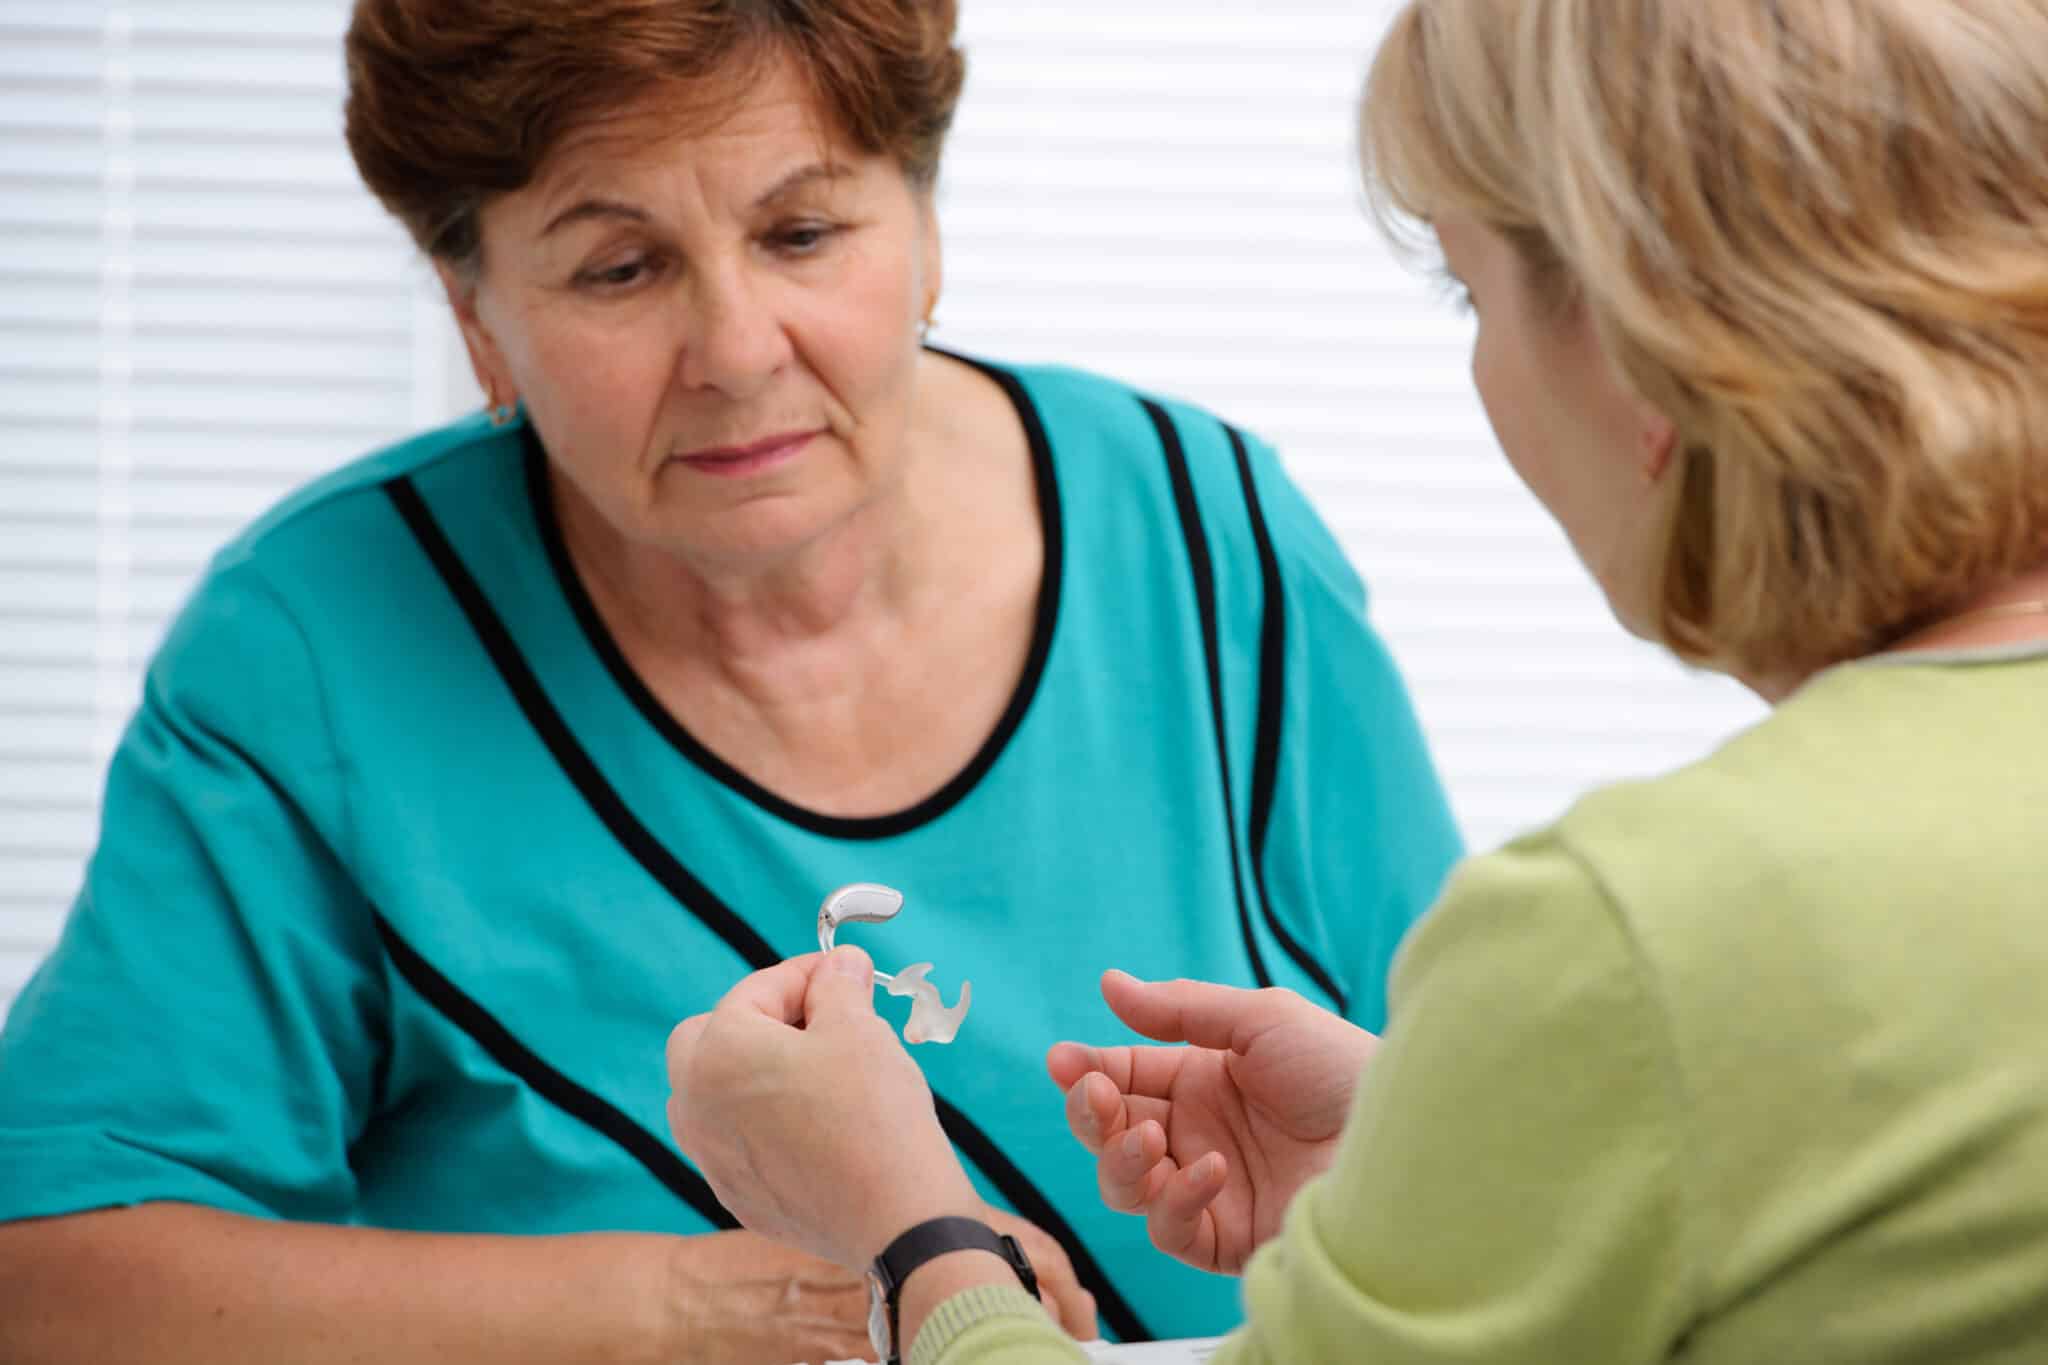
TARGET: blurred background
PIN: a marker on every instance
(200, 308)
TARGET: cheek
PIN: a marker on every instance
(872, 305)
(599, 375)
(1531, 426)
(860, 337)
(1504, 397)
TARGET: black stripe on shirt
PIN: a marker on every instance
(957, 788)
(661, 1160)
(1203, 572)
(1272, 706)
(554, 732)
(640, 843)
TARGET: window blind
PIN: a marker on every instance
(200, 308)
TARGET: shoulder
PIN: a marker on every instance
(1871, 786)
(322, 553)
(1695, 872)
(332, 507)
(1215, 468)
(1145, 429)
(340, 534)
(1524, 909)
(1763, 803)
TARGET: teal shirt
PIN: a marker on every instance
(404, 877)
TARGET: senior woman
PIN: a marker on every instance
(1740, 1064)
(471, 766)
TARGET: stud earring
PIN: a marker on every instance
(501, 415)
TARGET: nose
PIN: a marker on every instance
(737, 341)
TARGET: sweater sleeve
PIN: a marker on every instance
(993, 1325)
(1509, 1187)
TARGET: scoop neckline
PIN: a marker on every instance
(699, 755)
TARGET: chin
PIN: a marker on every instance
(747, 536)
(1636, 619)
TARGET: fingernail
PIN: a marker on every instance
(1133, 1144)
(850, 962)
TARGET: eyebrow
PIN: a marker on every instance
(588, 209)
(802, 178)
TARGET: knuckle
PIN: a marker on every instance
(672, 1050)
(1122, 1198)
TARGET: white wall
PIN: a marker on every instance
(200, 308)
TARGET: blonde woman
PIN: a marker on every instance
(1745, 1064)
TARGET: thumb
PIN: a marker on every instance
(842, 985)
(1198, 1012)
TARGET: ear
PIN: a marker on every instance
(1659, 442)
(931, 254)
(493, 375)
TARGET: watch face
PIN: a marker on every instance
(878, 1319)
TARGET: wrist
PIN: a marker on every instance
(939, 1279)
(896, 1217)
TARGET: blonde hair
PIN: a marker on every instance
(1814, 233)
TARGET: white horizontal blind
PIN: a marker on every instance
(200, 308)
(1168, 190)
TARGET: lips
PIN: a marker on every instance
(751, 458)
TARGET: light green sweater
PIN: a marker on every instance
(1744, 1064)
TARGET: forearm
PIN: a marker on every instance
(175, 1283)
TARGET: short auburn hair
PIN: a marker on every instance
(1814, 233)
(452, 102)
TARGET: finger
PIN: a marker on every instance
(842, 987)
(1198, 1012)
(777, 991)
(682, 1042)
(1069, 1062)
(1132, 1171)
(1095, 1111)
(1136, 1071)
(1179, 1221)
(1069, 1305)
(1083, 1325)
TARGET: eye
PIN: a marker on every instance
(803, 239)
(616, 277)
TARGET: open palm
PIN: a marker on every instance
(1210, 1141)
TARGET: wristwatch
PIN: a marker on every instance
(923, 1242)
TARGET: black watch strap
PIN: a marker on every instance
(935, 1238)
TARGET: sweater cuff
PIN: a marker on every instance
(967, 1309)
